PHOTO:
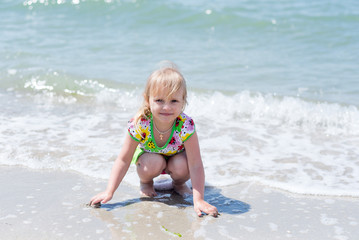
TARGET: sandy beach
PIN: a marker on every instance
(38, 204)
(272, 90)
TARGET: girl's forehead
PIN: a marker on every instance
(166, 93)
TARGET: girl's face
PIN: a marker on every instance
(165, 109)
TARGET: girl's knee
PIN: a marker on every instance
(151, 164)
(178, 167)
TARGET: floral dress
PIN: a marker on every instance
(182, 129)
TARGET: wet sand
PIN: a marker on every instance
(38, 204)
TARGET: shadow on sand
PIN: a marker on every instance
(212, 195)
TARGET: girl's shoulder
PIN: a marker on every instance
(142, 121)
(141, 124)
(185, 126)
(139, 130)
(184, 117)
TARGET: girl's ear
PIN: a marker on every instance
(146, 99)
(147, 102)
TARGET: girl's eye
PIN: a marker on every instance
(174, 101)
(159, 100)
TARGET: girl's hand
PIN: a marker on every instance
(202, 206)
(103, 197)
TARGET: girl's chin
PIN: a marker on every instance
(166, 118)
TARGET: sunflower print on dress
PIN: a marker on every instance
(183, 128)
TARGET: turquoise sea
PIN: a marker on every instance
(273, 85)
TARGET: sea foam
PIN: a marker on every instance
(285, 142)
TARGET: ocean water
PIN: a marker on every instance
(273, 85)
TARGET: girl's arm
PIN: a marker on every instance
(118, 171)
(196, 171)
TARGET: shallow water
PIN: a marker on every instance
(273, 86)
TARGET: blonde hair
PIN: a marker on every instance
(167, 78)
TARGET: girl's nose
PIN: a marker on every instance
(166, 106)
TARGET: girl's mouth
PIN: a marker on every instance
(166, 114)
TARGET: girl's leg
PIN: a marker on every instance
(149, 166)
(177, 168)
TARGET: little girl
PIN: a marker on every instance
(162, 139)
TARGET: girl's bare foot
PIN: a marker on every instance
(147, 189)
(182, 189)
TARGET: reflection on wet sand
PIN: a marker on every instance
(166, 215)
